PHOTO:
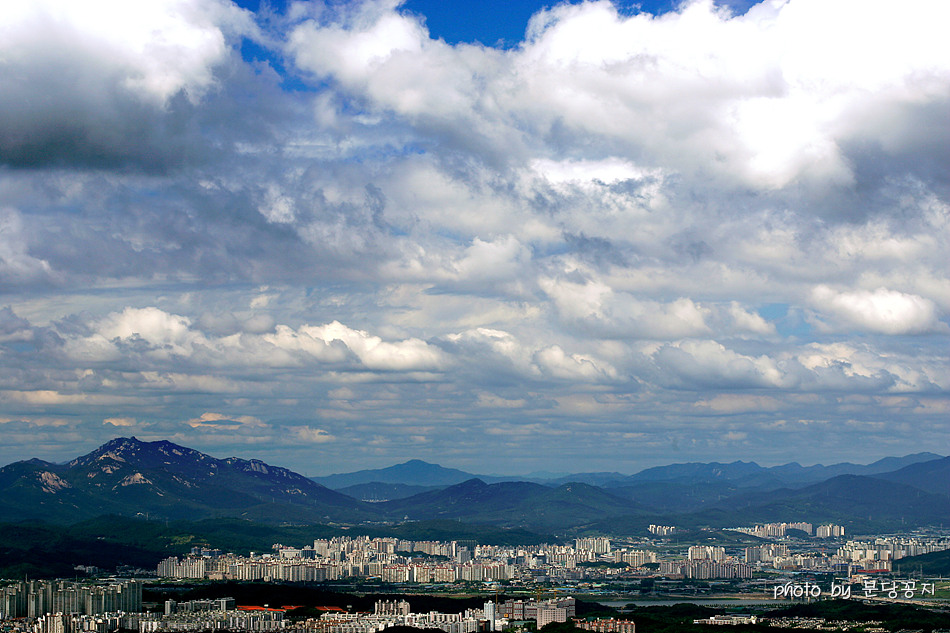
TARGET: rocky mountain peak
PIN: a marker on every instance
(119, 449)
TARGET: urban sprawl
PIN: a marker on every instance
(784, 550)
(402, 561)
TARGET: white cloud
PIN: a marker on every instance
(429, 197)
(168, 335)
(311, 435)
(746, 321)
(501, 263)
(223, 422)
(556, 362)
(501, 258)
(586, 172)
(47, 397)
(155, 326)
(881, 310)
(595, 305)
(120, 422)
(374, 353)
(499, 346)
(95, 82)
(16, 264)
(708, 363)
(277, 207)
(282, 345)
(189, 383)
(758, 96)
(844, 365)
(642, 222)
(152, 50)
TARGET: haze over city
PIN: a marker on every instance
(568, 237)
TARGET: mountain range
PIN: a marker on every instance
(744, 474)
(127, 476)
(130, 477)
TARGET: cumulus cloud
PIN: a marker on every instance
(502, 353)
(17, 266)
(708, 363)
(311, 435)
(220, 421)
(155, 327)
(47, 397)
(844, 365)
(250, 429)
(378, 354)
(496, 349)
(596, 305)
(14, 327)
(120, 422)
(753, 95)
(881, 310)
(745, 321)
(87, 82)
(554, 361)
(584, 173)
(161, 336)
(677, 232)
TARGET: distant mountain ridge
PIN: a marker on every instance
(129, 477)
(376, 491)
(746, 474)
(515, 504)
(932, 476)
(415, 472)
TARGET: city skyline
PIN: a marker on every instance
(570, 237)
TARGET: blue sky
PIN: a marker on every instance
(489, 22)
(501, 237)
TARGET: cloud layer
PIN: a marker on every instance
(326, 238)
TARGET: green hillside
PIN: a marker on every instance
(47, 550)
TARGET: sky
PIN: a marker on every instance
(502, 237)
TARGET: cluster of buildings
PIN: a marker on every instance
(214, 620)
(728, 620)
(706, 569)
(778, 556)
(392, 613)
(780, 530)
(829, 531)
(278, 568)
(396, 561)
(71, 607)
(432, 562)
(199, 606)
(879, 554)
(851, 557)
(492, 617)
(543, 612)
(607, 625)
(706, 562)
(822, 624)
(35, 598)
(81, 623)
(634, 557)
(768, 553)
